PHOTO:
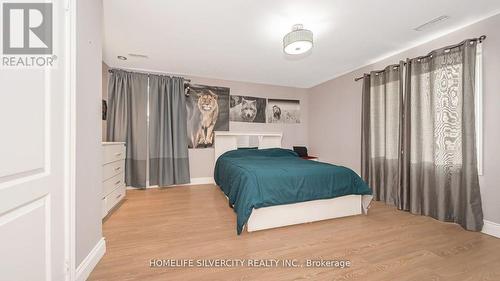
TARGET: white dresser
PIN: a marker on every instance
(113, 175)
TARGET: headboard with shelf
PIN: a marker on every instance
(226, 141)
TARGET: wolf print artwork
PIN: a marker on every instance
(207, 111)
(283, 111)
(247, 109)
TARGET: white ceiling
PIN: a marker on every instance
(241, 40)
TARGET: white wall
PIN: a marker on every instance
(335, 122)
(88, 126)
(201, 161)
(105, 73)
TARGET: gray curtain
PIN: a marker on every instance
(168, 147)
(365, 128)
(381, 123)
(127, 95)
(440, 177)
(418, 136)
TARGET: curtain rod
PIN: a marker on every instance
(148, 73)
(480, 39)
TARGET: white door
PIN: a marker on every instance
(34, 142)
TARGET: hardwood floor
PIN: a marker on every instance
(195, 222)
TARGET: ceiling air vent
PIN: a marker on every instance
(431, 23)
(138, 56)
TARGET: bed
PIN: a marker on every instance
(269, 187)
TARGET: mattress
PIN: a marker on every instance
(257, 178)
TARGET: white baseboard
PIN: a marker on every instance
(491, 228)
(193, 181)
(206, 180)
(88, 264)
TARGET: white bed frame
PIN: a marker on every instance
(289, 214)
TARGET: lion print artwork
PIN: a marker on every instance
(283, 111)
(207, 112)
(209, 108)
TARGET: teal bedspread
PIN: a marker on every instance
(256, 178)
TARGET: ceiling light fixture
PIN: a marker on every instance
(122, 58)
(298, 41)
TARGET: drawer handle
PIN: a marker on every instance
(117, 168)
(118, 196)
(118, 182)
(118, 154)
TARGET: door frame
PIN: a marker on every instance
(71, 37)
(70, 142)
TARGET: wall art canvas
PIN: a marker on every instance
(283, 111)
(247, 109)
(207, 111)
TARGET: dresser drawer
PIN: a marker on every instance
(112, 169)
(112, 183)
(112, 153)
(114, 198)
